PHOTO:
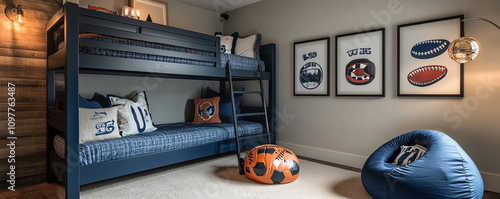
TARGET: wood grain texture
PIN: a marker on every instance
(23, 62)
(26, 90)
(26, 128)
(23, 72)
(9, 52)
(39, 191)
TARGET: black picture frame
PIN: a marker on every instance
(360, 64)
(311, 68)
(422, 47)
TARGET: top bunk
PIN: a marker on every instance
(102, 43)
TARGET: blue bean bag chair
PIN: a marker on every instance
(444, 170)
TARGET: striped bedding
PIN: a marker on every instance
(241, 63)
(167, 137)
(237, 62)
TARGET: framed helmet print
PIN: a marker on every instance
(360, 63)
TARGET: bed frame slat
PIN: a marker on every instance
(142, 37)
(98, 62)
(144, 50)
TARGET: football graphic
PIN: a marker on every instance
(360, 71)
(427, 75)
(429, 48)
(206, 111)
(271, 164)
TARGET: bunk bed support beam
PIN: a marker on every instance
(71, 88)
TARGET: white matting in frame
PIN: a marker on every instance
(360, 64)
(424, 67)
(312, 67)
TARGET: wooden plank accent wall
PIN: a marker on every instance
(23, 63)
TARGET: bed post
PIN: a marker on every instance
(71, 30)
(268, 55)
(272, 88)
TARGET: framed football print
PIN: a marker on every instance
(424, 67)
(312, 67)
(360, 63)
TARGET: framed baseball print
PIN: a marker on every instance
(312, 67)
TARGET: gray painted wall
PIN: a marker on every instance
(168, 98)
(347, 130)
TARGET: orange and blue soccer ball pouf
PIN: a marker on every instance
(271, 164)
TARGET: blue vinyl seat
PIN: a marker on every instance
(444, 171)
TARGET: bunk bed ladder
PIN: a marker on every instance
(237, 115)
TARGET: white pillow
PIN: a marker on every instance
(98, 124)
(133, 115)
(409, 154)
(226, 44)
(248, 46)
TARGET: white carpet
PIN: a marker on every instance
(218, 178)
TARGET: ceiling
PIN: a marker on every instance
(219, 6)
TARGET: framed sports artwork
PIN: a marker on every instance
(424, 67)
(360, 63)
(312, 67)
(155, 12)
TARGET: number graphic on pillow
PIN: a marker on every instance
(104, 128)
(136, 121)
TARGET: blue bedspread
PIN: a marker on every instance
(167, 137)
(241, 63)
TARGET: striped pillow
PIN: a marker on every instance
(248, 46)
(409, 154)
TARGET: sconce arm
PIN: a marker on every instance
(478, 18)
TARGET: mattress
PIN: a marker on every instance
(241, 63)
(236, 62)
(167, 137)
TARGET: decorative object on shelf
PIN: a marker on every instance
(423, 67)
(101, 9)
(131, 12)
(312, 67)
(156, 12)
(466, 49)
(360, 66)
(15, 13)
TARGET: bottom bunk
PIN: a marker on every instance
(169, 144)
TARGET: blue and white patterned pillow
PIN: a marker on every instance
(98, 124)
(227, 43)
(409, 154)
(133, 115)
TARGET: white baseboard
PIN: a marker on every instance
(336, 157)
(491, 180)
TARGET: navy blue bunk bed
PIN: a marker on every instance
(76, 58)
